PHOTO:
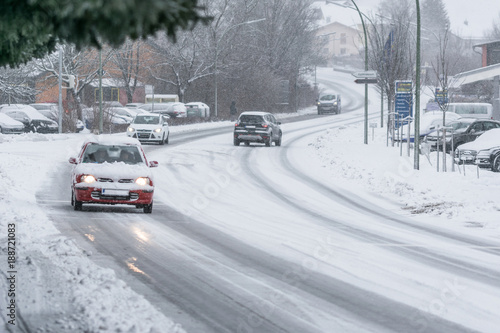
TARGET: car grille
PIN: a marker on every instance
(109, 180)
(143, 134)
(105, 180)
(97, 195)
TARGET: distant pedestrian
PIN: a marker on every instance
(232, 110)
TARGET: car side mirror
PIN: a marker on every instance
(472, 131)
(153, 164)
(72, 160)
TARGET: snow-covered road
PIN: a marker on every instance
(307, 237)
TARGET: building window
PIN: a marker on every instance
(343, 51)
(109, 94)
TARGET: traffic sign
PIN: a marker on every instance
(365, 75)
(366, 81)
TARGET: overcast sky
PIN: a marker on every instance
(469, 18)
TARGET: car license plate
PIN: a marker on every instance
(249, 126)
(120, 193)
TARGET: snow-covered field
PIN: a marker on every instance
(51, 274)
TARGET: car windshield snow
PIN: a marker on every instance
(96, 153)
(147, 120)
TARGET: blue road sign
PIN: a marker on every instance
(404, 99)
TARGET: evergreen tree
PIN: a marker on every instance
(32, 28)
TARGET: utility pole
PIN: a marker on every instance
(416, 141)
(100, 93)
(60, 89)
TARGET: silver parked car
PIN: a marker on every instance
(9, 125)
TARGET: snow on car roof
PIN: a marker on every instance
(5, 119)
(254, 113)
(113, 140)
(29, 110)
(487, 140)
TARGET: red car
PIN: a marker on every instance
(112, 170)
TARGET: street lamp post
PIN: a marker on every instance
(366, 63)
(217, 56)
(416, 141)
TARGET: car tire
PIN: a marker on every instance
(148, 209)
(269, 142)
(77, 205)
(247, 143)
(166, 140)
(495, 165)
(236, 142)
(277, 143)
(162, 141)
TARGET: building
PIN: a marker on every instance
(490, 70)
(338, 43)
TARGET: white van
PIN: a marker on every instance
(472, 110)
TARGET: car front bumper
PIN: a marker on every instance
(328, 108)
(89, 194)
(146, 135)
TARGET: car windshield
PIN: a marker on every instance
(96, 153)
(251, 119)
(147, 119)
(327, 98)
(459, 125)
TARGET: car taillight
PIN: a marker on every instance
(264, 125)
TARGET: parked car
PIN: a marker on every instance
(462, 131)
(429, 122)
(197, 109)
(484, 151)
(133, 105)
(52, 107)
(149, 128)
(9, 125)
(161, 108)
(177, 110)
(51, 111)
(109, 115)
(112, 170)
(329, 103)
(32, 120)
(123, 112)
(257, 126)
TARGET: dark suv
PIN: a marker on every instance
(257, 126)
(464, 130)
(329, 103)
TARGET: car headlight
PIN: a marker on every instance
(143, 181)
(158, 130)
(130, 129)
(87, 179)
